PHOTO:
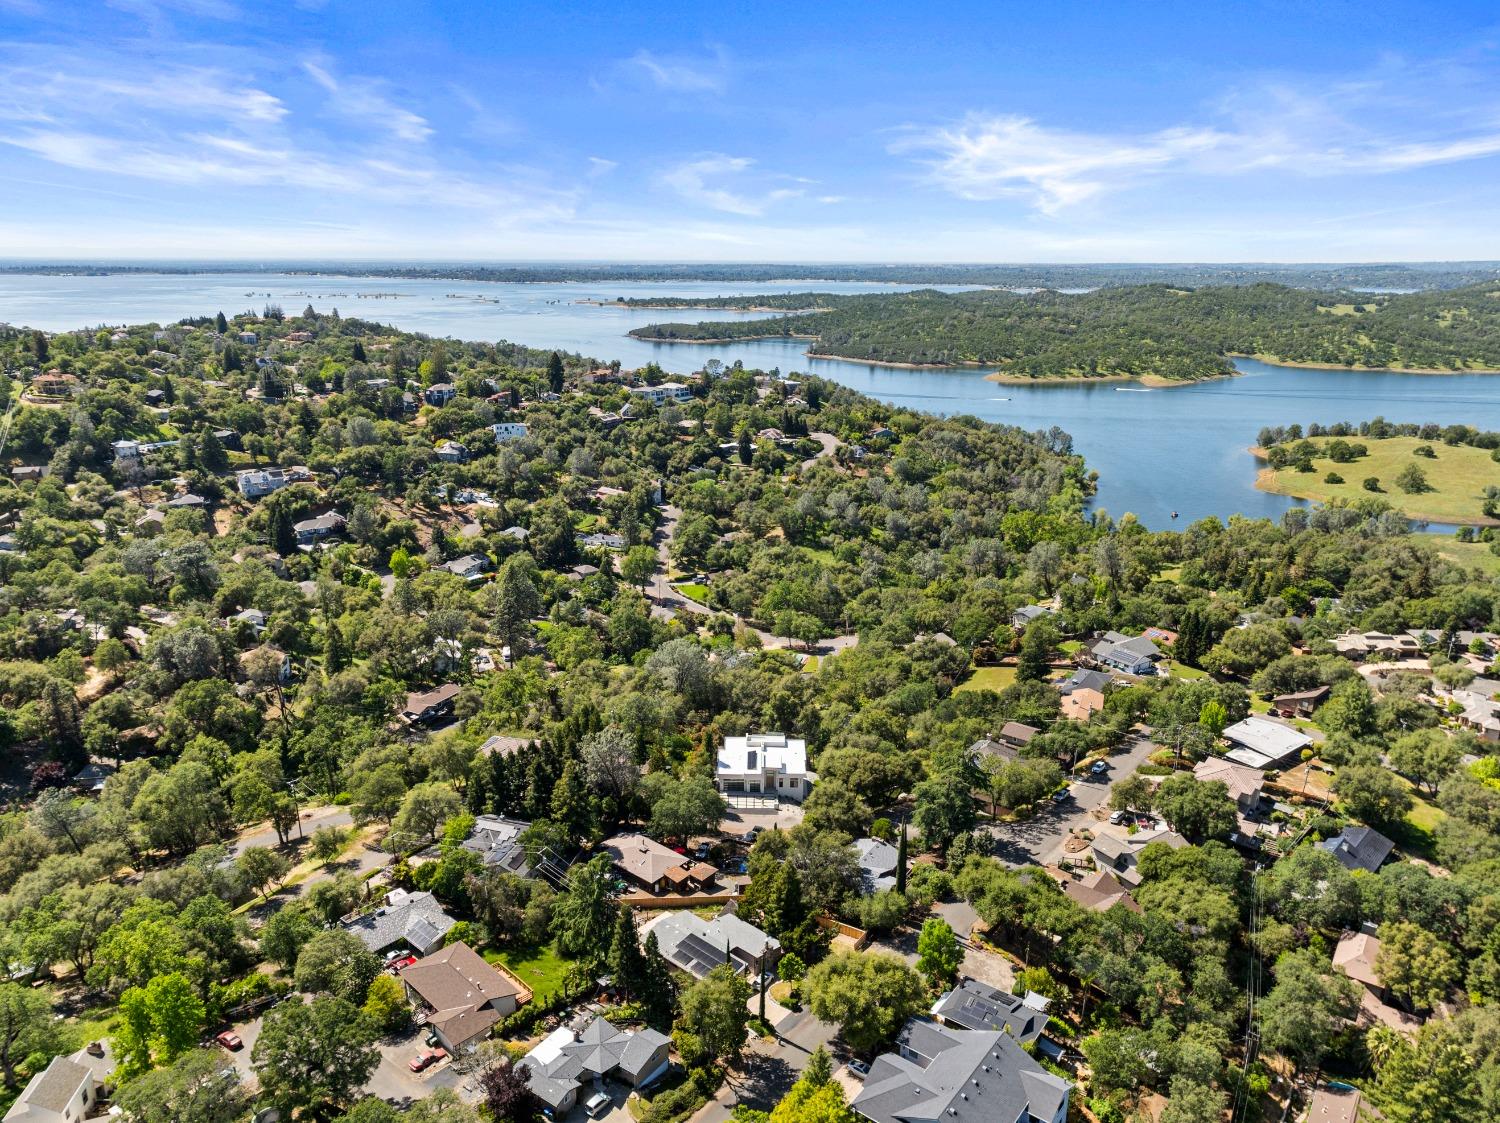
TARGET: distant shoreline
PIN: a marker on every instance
(1272, 360)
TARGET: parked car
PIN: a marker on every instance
(427, 1058)
(598, 1104)
(751, 835)
(402, 962)
(230, 1040)
(1099, 767)
(704, 852)
(859, 1069)
(1117, 817)
(1062, 795)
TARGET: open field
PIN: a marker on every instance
(1475, 554)
(1457, 475)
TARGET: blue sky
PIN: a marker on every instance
(1106, 131)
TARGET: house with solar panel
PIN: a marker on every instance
(695, 945)
(975, 1005)
(413, 920)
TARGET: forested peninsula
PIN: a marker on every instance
(1152, 332)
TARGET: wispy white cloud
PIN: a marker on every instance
(682, 73)
(598, 166)
(362, 100)
(1342, 129)
(706, 180)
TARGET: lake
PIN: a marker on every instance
(1182, 449)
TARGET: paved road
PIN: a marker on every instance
(312, 819)
(1039, 840)
(829, 443)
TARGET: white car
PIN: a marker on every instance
(598, 1104)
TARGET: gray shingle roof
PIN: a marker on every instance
(56, 1086)
(1359, 848)
(979, 1006)
(416, 918)
(957, 1076)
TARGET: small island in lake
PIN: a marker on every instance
(1426, 472)
(1155, 333)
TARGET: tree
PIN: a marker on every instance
(506, 1088)
(570, 807)
(583, 917)
(313, 1058)
(1371, 794)
(1198, 809)
(774, 899)
(627, 963)
(555, 373)
(1307, 1006)
(686, 808)
(377, 794)
(161, 1022)
(832, 806)
(943, 810)
(1191, 1102)
(423, 812)
(284, 934)
(868, 996)
(262, 868)
(385, 1004)
(336, 962)
(713, 1017)
(26, 1027)
(938, 953)
(1134, 793)
(1311, 888)
(1434, 1080)
(329, 842)
(637, 566)
(192, 1089)
(813, 1100)
(1412, 480)
(211, 454)
(516, 602)
(1426, 757)
(1416, 965)
(1035, 660)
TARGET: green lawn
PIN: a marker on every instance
(1470, 554)
(1182, 670)
(693, 591)
(1458, 475)
(989, 678)
(824, 556)
(1070, 646)
(542, 969)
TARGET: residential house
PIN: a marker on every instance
(92, 777)
(54, 384)
(1160, 636)
(878, 862)
(451, 452)
(1133, 655)
(1262, 743)
(1244, 783)
(1380, 646)
(1120, 854)
(423, 706)
(1330, 1104)
(248, 337)
(1100, 891)
(413, 920)
(1301, 703)
(459, 996)
(666, 392)
(519, 533)
(253, 657)
(63, 1092)
(504, 746)
(128, 452)
(1017, 734)
(656, 868)
(471, 567)
(440, 393)
(310, 531)
(768, 763)
(187, 501)
(1023, 616)
(943, 1075)
(697, 946)
(1359, 848)
(601, 541)
(571, 1059)
(497, 840)
(156, 397)
(507, 431)
(1084, 679)
(151, 522)
(974, 1005)
(253, 618)
(256, 482)
(989, 747)
(1480, 714)
(1356, 956)
(28, 473)
(1080, 705)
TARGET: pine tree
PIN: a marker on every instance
(283, 534)
(211, 452)
(570, 801)
(555, 373)
(221, 325)
(335, 655)
(359, 352)
(169, 392)
(626, 960)
(819, 1070)
(901, 861)
(658, 992)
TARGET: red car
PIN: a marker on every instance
(230, 1040)
(403, 962)
(427, 1058)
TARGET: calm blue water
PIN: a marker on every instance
(1156, 451)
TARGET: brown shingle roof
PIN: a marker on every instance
(460, 987)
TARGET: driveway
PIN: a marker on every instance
(829, 443)
(394, 1079)
(1038, 841)
(769, 1067)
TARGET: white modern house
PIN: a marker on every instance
(764, 764)
(666, 392)
(506, 431)
(1262, 743)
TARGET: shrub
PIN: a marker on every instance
(1372, 483)
(1333, 478)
